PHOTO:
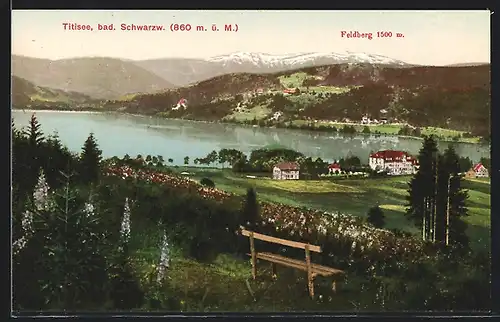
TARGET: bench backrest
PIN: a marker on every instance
(285, 242)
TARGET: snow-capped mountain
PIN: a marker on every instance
(260, 60)
(181, 71)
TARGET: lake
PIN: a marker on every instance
(119, 134)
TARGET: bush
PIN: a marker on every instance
(207, 183)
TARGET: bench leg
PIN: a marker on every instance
(311, 286)
(275, 273)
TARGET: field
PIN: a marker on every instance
(296, 80)
(354, 196)
(393, 129)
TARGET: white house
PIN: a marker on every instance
(394, 162)
(286, 171)
(182, 103)
(276, 115)
(334, 168)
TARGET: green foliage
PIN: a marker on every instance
(250, 212)
(90, 158)
(376, 217)
(436, 199)
(207, 182)
(79, 265)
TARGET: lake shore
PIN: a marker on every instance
(472, 140)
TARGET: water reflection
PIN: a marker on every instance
(120, 134)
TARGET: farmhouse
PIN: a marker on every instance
(289, 91)
(478, 171)
(334, 168)
(394, 162)
(286, 171)
(182, 103)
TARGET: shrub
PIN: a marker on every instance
(207, 183)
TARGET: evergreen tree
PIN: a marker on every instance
(67, 248)
(90, 159)
(422, 190)
(35, 138)
(454, 197)
(56, 158)
(250, 213)
(125, 290)
(376, 217)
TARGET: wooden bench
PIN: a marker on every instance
(312, 269)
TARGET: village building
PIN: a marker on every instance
(393, 162)
(276, 116)
(181, 103)
(286, 171)
(477, 171)
(289, 91)
(334, 168)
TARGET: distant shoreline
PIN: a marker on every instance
(60, 111)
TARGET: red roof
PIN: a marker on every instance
(289, 90)
(478, 167)
(334, 166)
(392, 155)
(288, 166)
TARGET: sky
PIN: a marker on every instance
(430, 37)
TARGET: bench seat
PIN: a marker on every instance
(298, 264)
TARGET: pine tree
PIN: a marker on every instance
(454, 197)
(376, 217)
(90, 159)
(35, 138)
(250, 213)
(67, 249)
(125, 289)
(422, 190)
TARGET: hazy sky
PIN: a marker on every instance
(430, 37)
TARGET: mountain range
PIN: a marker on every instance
(112, 78)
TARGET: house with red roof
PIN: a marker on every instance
(478, 171)
(181, 103)
(289, 91)
(393, 162)
(334, 168)
(286, 171)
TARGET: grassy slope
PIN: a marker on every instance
(224, 282)
(25, 92)
(355, 196)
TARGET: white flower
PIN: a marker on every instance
(164, 258)
(19, 244)
(41, 193)
(125, 228)
(89, 209)
(27, 221)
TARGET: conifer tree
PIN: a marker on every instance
(35, 138)
(125, 289)
(67, 248)
(250, 213)
(376, 217)
(90, 159)
(454, 197)
(422, 189)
